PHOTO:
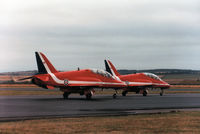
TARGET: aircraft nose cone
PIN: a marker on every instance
(167, 85)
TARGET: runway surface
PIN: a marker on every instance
(29, 107)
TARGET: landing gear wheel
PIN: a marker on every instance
(124, 93)
(65, 95)
(81, 93)
(114, 96)
(89, 96)
(145, 93)
(161, 93)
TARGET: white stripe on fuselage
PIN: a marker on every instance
(143, 83)
(81, 82)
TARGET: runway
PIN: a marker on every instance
(42, 106)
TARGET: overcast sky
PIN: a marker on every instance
(133, 34)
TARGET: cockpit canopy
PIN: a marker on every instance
(102, 72)
(153, 76)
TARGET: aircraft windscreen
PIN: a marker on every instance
(102, 72)
(152, 76)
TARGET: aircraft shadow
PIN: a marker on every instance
(73, 99)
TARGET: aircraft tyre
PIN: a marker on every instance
(114, 96)
(161, 93)
(88, 96)
(81, 93)
(65, 95)
(145, 93)
(124, 93)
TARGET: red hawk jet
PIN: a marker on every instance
(138, 82)
(78, 81)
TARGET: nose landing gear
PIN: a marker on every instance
(115, 95)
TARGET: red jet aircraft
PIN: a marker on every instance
(79, 81)
(138, 82)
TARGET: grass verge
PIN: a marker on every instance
(168, 123)
(18, 86)
(27, 92)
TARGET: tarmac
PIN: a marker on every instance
(49, 106)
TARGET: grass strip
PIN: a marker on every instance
(166, 123)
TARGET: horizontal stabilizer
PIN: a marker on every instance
(25, 78)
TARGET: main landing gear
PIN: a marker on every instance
(162, 92)
(115, 95)
(88, 94)
(124, 93)
(65, 95)
(144, 93)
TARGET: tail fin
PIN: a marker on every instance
(111, 68)
(44, 65)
